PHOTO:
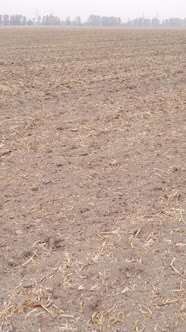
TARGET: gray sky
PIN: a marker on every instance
(123, 8)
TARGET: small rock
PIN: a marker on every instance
(28, 284)
(19, 232)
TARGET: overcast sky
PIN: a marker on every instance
(123, 8)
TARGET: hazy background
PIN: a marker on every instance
(122, 8)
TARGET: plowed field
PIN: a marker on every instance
(92, 180)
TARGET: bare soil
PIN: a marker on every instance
(92, 180)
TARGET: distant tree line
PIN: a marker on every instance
(142, 21)
(93, 20)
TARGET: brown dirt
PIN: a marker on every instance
(92, 167)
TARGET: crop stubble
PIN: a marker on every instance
(92, 167)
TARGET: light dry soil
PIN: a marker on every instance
(92, 180)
